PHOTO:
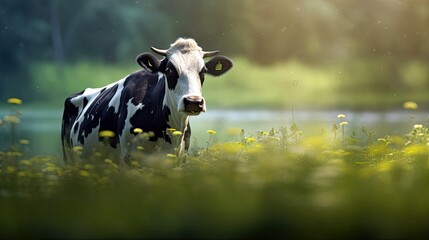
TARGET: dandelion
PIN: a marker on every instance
(135, 163)
(418, 126)
(137, 130)
(15, 101)
(12, 119)
(106, 134)
(343, 123)
(170, 155)
(108, 161)
(140, 148)
(250, 140)
(341, 116)
(211, 132)
(24, 142)
(177, 133)
(84, 173)
(171, 129)
(410, 105)
(77, 148)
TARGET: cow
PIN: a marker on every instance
(160, 96)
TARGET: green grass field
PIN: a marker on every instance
(280, 183)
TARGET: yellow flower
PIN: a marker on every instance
(24, 142)
(84, 173)
(137, 130)
(140, 148)
(171, 129)
(109, 161)
(211, 132)
(177, 133)
(343, 123)
(250, 139)
(77, 148)
(169, 155)
(106, 134)
(418, 126)
(12, 119)
(135, 163)
(341, 116)
(410, 105)
(16, 101)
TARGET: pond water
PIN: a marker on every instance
(42, 126)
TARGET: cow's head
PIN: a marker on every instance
(184, 68)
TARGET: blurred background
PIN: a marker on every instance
(301, 55)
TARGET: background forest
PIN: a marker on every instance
(50, 49)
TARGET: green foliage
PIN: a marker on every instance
(269, 183)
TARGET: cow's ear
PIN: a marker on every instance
(218, 65)
(148, 61)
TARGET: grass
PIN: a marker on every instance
(273, 183)
(354, 85)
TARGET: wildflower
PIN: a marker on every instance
(177, 133)
(106, 134)
(343, 123)
(77, 148)
(264, 133)
(84, 173)
(16, 101)
(26, 162)
(171, 129)
(250, 140)
(212, 132)
(170, 155)
(135, 163)
(137, 130)
(341, 116)
(12, 119)
(418, 126)
(140, 148)
(24, 142)
(410, 105)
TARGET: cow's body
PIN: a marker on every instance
(160, 96)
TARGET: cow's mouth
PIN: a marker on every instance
(192, 113)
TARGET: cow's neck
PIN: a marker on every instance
(177, 120)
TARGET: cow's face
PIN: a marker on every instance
(184, 70)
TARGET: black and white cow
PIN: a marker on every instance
(160, 96)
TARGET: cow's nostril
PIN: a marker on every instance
(193, 104)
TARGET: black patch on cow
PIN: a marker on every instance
(98, 113)
(69, 117)
(85, 102)
(172, 76)
(76, 127)
(153, 117)
(202, 74)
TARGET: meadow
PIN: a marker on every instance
(275, 183)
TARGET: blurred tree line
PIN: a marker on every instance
(385, 33)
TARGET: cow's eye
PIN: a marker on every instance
(168, 71)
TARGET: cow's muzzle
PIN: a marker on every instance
(193, 105)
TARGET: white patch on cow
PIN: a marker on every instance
(188, 66)
(116, 99)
